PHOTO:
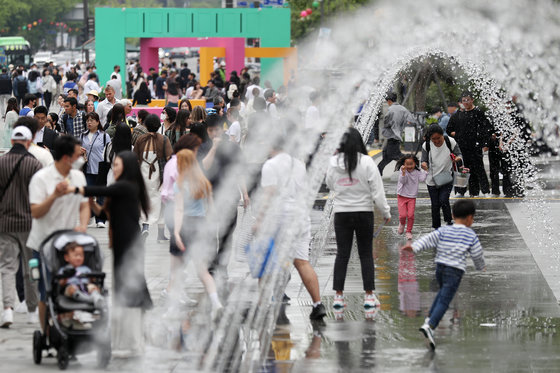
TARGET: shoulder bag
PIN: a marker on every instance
(104, 165)
(443, 178)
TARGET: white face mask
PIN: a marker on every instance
(163, 117)
(78, 163)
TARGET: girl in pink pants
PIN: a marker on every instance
(410, 176)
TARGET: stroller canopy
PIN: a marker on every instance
(52, 250)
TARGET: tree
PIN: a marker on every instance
(16, 14)
(331, 8)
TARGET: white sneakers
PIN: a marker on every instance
(370, 301)
(21, 308)
(7, 318)
(33, 317)
(101, 225)
(428, 334)
(338, 302)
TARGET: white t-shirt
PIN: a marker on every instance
(312, 118)
(39, 136)
(43, 155)
(91, 85)
(189, 92)
(235, 131)
(64, 212)
(289, 177)
(272, 110)
(439, 159)
(249, 92)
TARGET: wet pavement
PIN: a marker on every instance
(505, 319)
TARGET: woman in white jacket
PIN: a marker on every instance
(355, 180)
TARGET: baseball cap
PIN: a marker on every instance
(22, 133)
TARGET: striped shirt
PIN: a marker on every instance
(453, 242)
(15, 214)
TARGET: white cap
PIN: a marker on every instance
(22, 133)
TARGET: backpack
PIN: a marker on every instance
(21, 86)
(5, 85)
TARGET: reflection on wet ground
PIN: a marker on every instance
(505, 319)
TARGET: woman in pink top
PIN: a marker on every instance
(407, 189)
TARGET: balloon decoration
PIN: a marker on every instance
(307, 12)
(315, 5)
(38, 23)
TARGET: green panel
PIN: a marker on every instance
(113, 25)
(180, 23)
(230, 24)
(133, 22)
(205, 23)
(156, 23)
(251, 25)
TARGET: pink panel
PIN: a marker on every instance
(235, 50)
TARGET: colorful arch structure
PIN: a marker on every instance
(114, 25)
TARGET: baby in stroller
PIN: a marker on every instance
(76, 317)
(76, 285)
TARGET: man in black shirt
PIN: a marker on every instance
(471, 130)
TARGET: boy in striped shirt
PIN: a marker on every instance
(453, 243)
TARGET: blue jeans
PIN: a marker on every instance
(448, 279)
(439, 197)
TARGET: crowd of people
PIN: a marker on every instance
(91, 163)
(94, 158)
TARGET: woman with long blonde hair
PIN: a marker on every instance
(193, 196)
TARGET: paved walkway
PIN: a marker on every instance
(505, 319)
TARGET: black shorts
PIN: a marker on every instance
(191, 226)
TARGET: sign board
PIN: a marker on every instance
(409, 134)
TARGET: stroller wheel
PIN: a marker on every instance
(103, 356)
(63, 357)
(37, 347)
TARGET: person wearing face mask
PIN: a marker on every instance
(51, 208)
(167, 117)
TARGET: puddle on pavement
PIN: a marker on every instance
(506, 319)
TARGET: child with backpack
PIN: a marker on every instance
(453, 243)
(407, 190)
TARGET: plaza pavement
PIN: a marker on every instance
(505, 319)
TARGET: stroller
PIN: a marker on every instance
(69, 340)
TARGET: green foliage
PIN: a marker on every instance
(126, 3)
(331, 8)
(17, 13)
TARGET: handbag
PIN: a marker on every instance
(103, 167)
(443, 178)
(261, 256)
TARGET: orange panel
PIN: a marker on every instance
(207, 55)
(269, 52)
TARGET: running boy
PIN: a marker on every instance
(453, 242)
